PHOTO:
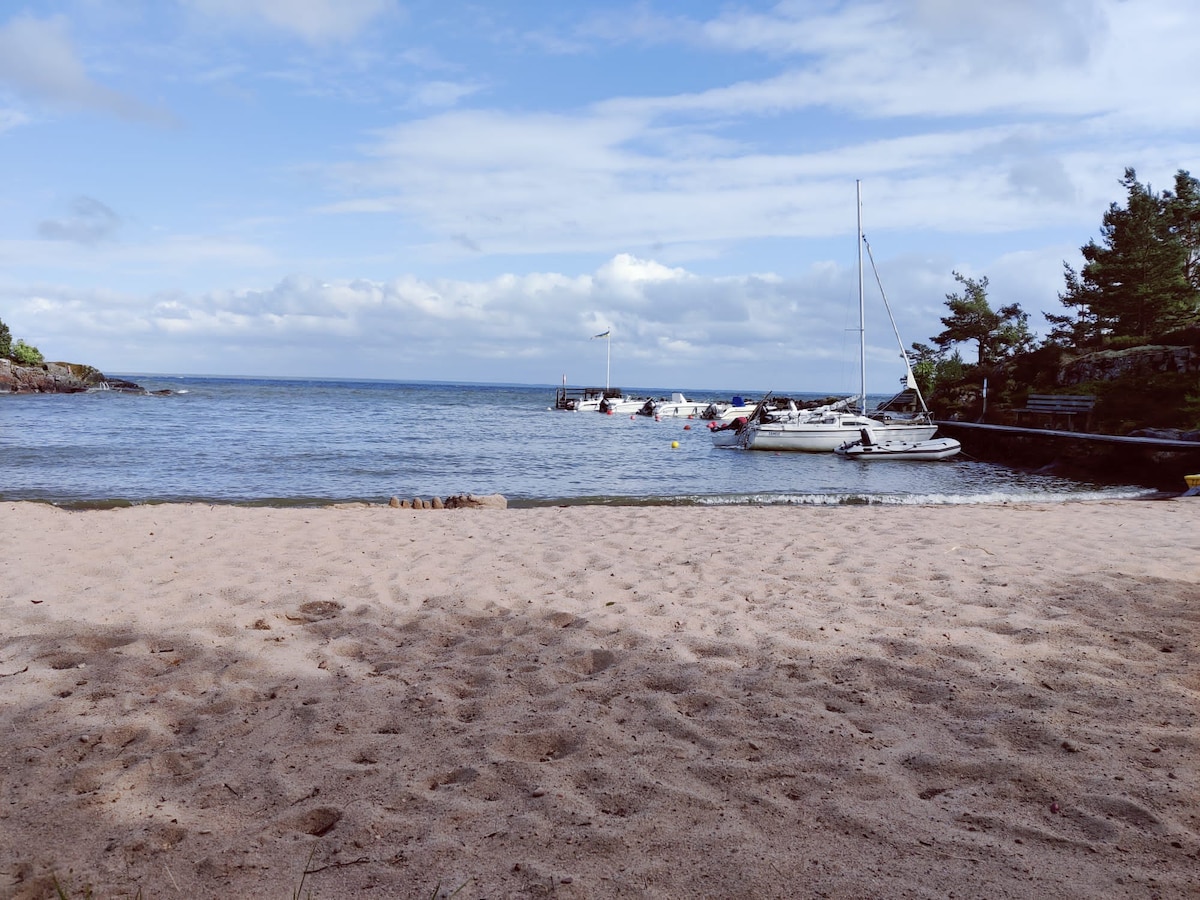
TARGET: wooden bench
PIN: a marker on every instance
(1058, 408)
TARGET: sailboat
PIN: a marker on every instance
(829, 427)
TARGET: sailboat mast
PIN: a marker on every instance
(862, 316)
(608, 367)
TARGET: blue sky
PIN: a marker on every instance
(470, 191)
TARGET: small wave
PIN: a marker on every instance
(995, 498)
(998, 498)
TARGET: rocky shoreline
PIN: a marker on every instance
(60, 378)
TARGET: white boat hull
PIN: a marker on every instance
(925, 451)
(622, 406)
(678, 407)
(680, 410)
(727, 439)
(826, 436)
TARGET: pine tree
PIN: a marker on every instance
(1140, 280)
(998, 334)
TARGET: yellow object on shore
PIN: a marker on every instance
(1192, 480)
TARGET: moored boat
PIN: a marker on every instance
(829, 427)
(621, 405)
(869, 447)
(586, 399)
(729, 435)
(678, 406)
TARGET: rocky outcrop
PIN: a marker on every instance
(59, 378)
(1109, 365)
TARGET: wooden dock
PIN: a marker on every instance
(1102, 458)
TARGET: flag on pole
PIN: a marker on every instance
(604, 335)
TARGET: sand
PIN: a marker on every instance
(967, 701)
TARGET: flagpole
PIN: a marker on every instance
(608, 367)
(607, 335)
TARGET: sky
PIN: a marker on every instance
(466, 191)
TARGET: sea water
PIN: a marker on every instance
(300, 442)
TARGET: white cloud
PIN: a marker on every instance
(963, 118)
(491, 183)
(1012, 34)
(38, 61)
(669, 326)
(943, 58)
(315, 21)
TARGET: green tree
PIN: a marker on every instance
(27, 354)
(933, 369)
(998, 334)
(5, 341)
(924, 361)
(1182, 207)
(1140, 280)
(1080, 327)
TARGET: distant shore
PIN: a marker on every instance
(599, 701)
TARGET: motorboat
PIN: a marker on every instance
(868, 446)
(584, 399)
(621, 405)
(680, 407)
(736, 408)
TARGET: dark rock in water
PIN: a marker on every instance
(61, 378)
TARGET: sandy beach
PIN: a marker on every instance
(592, 702)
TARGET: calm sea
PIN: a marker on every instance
(281, 442)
